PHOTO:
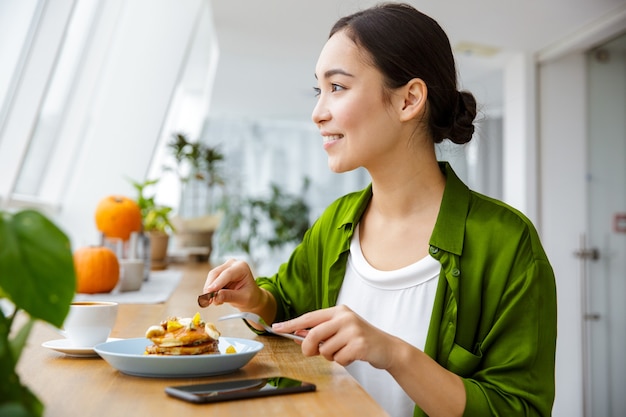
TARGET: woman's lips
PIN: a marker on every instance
(329, 140)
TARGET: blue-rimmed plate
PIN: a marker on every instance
(127, 356)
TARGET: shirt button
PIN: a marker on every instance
(434, 249)
(456, 272)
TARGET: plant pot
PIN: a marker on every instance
(195, 235)
(197, 244)
(159, 242)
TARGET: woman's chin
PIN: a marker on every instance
(338, 167)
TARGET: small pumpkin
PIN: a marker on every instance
(97, 269)
(118, 216)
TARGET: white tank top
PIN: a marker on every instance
(399, 302)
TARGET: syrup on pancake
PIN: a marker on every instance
(183, 336)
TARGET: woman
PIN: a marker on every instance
(434, 297)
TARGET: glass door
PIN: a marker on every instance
(604, 247)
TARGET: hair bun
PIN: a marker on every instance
(462, 127)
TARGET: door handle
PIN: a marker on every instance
(588, 254)
(592, 254)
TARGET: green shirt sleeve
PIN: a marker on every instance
(312, 277)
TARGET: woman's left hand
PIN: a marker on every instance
(341, 335)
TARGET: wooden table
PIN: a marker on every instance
(70, 386)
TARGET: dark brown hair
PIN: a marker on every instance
(403, 44)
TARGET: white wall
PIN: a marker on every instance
(519, 135)
(563, 208)
(142, 71)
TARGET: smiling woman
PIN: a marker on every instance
(415, 245)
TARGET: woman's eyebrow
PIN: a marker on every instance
(337, 71)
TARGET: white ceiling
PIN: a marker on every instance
(268, 48)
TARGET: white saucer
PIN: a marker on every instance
(65, 346)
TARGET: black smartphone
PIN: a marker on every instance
(238, 389)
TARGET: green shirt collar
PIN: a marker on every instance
(447, 235)
(352, 216)
(449, 229)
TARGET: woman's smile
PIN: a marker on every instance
(330, 140)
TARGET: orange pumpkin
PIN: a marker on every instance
(118, 216)
(97, 269)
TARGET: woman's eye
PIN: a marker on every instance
(333, 89)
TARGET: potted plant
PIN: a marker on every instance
(198, 167)
(157, 224)
(252, 224)
(38, 282)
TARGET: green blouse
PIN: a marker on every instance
(494, 317)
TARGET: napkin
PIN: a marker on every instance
(157, 289)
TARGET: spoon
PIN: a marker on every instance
(255, 318)
(204, 300)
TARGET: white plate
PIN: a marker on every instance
(127, 356)
(64, 346)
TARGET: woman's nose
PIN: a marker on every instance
(320, 112)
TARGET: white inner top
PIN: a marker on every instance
(399, 302)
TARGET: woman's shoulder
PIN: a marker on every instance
(497, 212)
(503, 225)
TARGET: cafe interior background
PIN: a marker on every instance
(93, 91)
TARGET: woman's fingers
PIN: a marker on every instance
(233, 283)
(232, 274)
(338, 334)
(319, 327)
(305, 321)
(210, 285)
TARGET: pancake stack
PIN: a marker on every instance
(183, 336)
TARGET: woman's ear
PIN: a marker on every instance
(415, 93)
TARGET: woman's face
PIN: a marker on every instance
(358, 126)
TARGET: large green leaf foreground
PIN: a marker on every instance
(37, 276)
(36, 266)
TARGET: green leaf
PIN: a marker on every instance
(36, 266)
(19, 340)
(15, 409)
(28, 406)
(15, 399)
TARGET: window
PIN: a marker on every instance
(21, 20)
(40, 28)
(78, 83)
(46, 133)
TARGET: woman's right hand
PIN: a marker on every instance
(234, 283)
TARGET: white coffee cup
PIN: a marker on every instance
(131, 274)
(89, 322)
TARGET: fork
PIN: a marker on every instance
(255, 318)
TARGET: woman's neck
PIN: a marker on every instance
(408, 188)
